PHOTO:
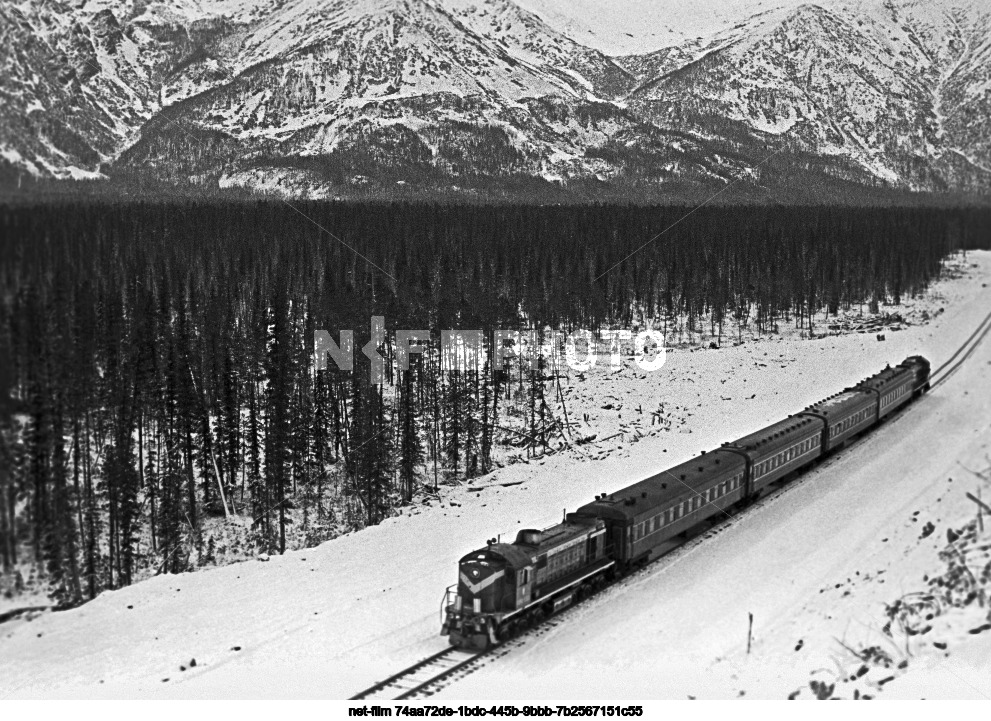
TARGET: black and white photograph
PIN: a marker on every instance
(494, 357)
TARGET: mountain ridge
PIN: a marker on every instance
(311, 98)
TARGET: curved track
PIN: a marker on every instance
(967, 348)
(425, 677)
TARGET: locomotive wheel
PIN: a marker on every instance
(509, 631)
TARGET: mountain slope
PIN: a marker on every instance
(72, 91)
(868, 84)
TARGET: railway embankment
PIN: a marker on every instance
(937, 634)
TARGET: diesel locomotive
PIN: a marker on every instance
(504, 588)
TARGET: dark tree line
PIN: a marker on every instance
(159, 370)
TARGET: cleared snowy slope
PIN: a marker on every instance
(330, 621)
(816, 565)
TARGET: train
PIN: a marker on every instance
(505, 588)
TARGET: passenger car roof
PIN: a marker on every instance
(666, 487)
(841, 403)
(777, 432)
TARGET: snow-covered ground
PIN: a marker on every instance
(816, 564)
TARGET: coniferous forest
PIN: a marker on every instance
(157, 370)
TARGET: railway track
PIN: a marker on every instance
(952, 364)
(419, 678)
(425, 677)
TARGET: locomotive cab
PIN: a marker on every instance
(489, 581)
(921, 367)
(482, 581)
(506, 587)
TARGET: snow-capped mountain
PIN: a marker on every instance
(309, 95)
(900, 89)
